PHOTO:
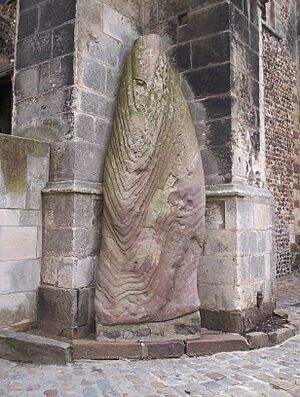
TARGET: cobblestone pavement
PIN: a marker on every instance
(288, 295)
(271, 372)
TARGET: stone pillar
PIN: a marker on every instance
(68, 62)
(216, 48)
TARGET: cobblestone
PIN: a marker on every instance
(271, 372)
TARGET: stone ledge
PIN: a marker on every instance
(17, 346)
(259, 340)
(238, 190)
(25, 347)
(206, 344)
(73, 186)
(212, 344)
(93, 350)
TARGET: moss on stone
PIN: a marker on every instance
(13, 158)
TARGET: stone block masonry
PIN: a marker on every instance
(219, 63)
(24, 172)
(238, 260)
(102, 35)
(282, 130)
(69, 56)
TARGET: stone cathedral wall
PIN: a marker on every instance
(282, 130)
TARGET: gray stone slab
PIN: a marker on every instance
(17, 308)
(17, 346)
(19, 276)
(18, 243)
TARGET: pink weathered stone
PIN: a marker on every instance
(153, 220)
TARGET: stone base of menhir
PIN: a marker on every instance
(189, 324)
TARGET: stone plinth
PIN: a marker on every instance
(238, 258)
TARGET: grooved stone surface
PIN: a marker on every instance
(153, 219)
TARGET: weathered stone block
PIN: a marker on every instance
(257, 267)
(85, 127)
(281, 335)
(107, 49)
(89, 161)
(49, 271)
(262, 217)
(33, 50)
(19, 276)
(118, 26)
(75, 272)
(58, 242)
(210, 344)
(96, 105)
(245, 215)
(180, 56)
(86, 306)
(163, 349)
(57, 305)
(217, 107)
(18, 243)
(27, 83)
(258, 340)
(211, 50)
(87, 242)
(247, 242)
(217, 270)
(223, 243)
(43, 106)
(215, 215)
(17, 308)
(92, 350)
(90, 12)
(240, 25)
(24, 4)
(62, 163)
(88, 210)
(93, 75)
(209, 81)
(26, 348)
(213, 20)
(56, 13)
(28, 23)
(15, 217)
(265, 241)
(56, 74)
(63, 40)
(58, 211)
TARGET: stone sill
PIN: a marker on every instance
(271, 30)
(73, 186)
(236, 190)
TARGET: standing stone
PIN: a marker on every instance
(154, 203)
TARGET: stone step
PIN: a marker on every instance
(211, 344)
(19, 346)
(206, 344)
